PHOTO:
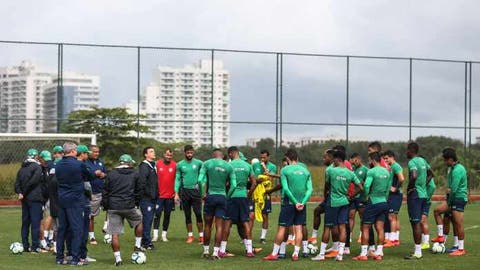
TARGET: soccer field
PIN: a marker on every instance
(176, 254)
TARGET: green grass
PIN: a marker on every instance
(178, 255)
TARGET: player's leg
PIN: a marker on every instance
(317, 219)
(379, 227)
(167, 208)
(94, 211)
(305, 251)
(208, 218)
(415, 206)
(156, 219)
(148, 209)
(36, 215)
(285, 219)
(86, 225)
(328, 223)
(266, 210)
(291, 235)
(114, 228)
(62, 224)
(197, 210)
(425, 229)
(437, 213)
(187, 210)
(458, 216)
(367, 219)
(26, 222)
(342, 221)
(230, 217)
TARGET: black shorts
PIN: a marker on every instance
(415, 206)
(237, 210)
(289, 215)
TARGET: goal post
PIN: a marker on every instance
(13, 149)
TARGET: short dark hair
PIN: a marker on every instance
(264, 151)
(91, 146)
(376, 145)
(145, 150)
(339, 155)
(413, 147)
(232, 149)
(339, 147)
(448, 153)
(389, 153)
(355, 155)
(168, 149)
(330, 152)
(291, 154)
(187, 147)
(375, 156)
(216, 149)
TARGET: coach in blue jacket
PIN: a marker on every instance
(70, 174)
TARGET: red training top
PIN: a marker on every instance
(166, 179)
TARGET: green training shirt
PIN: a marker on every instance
(243, 171)
(187, 174)
(340, 179)
(457, 182)
(377, 185)
(216, 173)
(421, 166)
(296, 183)
(395, 169)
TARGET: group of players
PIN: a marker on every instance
(72, 184)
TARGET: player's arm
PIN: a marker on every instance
(358, 184)
(202, 178)
(413, 173)
(274, 189)
(33, 181)
(233, 182)
(309, 191)
(177, 183)
(106, 193)
(430, 175)
(286, 189)
(326, 188)
(143, 172)
(18, 187)
(367, 185)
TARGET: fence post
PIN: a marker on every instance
(138, 101)
(211, 99)
(347, 103)
(410, 92)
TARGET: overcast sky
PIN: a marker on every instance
(314, 87)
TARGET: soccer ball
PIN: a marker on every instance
(438, 248)
(313, 249)
(16, 248)
(107, 239)
(255, 160)
(139, 257)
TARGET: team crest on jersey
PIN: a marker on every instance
(194, 166)
(170, 169)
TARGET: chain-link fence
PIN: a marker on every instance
(218, 97)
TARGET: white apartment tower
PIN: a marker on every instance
(28, 97)
(178, 104)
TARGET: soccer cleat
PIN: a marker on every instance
(119, 263)
(339, 258)
(155, 239)
(425, 246)
(93, 241)
(452, 249)
(312, 240)
(250, 255)
(221, 254)
(149, 247)
(439, 239)
(165, 239)
(458, 252)
(39, 250)
(282, 255)
(190, 240)
(263, 241)
(331, 254)
(200, 240)
(139, 249)
(257, 250)
(360, 258)
(271, 257)
(413, 257)
(294, 258)
(214, 258)
(90, 259)
(290, 242)
(389, 244)
(396, 243)
(378, 258)
(305, 255)
(319, 258)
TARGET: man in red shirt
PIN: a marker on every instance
(166, 170)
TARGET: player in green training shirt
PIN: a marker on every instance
(395, 199)
(376, 190)
(457, 198)
(357, 204)
(187, 191)
(337, 182)
(265, 167)
(216, 173)
(424, 223)
(419, 176)
(296, 190)
(237, 204)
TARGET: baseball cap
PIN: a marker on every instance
(32, 153)
(125, 158)
(57, 149)
(81, 148)
(46, 155)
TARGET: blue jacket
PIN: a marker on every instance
(97, 183)
(71, 174)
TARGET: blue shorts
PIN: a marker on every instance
(374, 212)
(237, 210)
(289, 216)
(415, 206)
(458, 205)
(336, 215)
(395, 202)
(426, 209)
(267, 207)
(215, 205)
(357, 203)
